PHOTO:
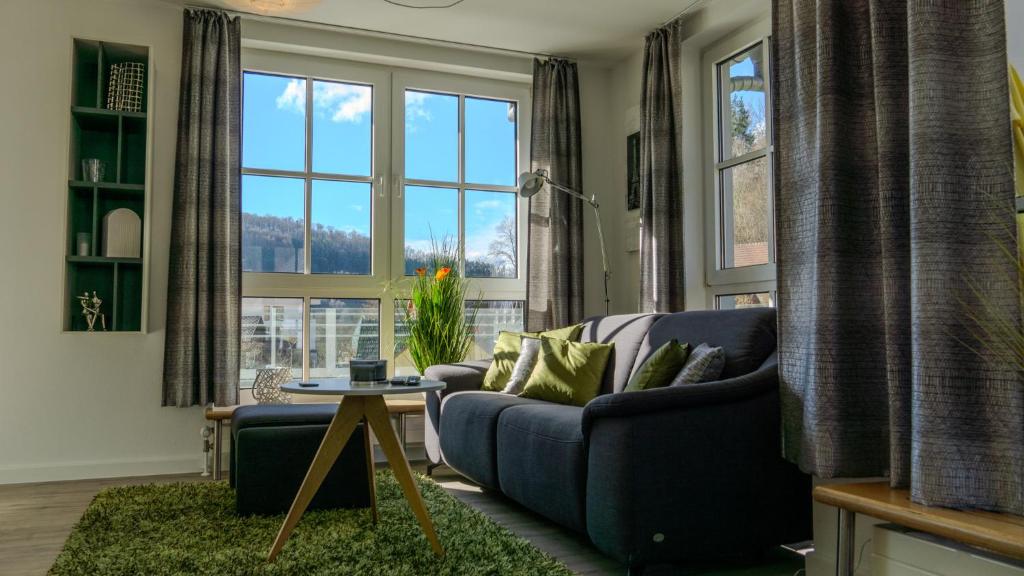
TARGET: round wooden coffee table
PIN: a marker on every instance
(359, 403)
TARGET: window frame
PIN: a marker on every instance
(387, 282)
(772, 296)
(463, 87)
(759, 278)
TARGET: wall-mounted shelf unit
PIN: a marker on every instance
(120, 139)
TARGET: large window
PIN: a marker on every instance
(307, 175)
(460, 156)
(477, 173)
(349, 174)
(740, 243)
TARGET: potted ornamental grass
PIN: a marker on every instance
(436, 316)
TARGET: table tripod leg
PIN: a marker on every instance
(350, 412)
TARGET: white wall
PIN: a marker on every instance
(599, 138)
(78, 405)
(624, 120)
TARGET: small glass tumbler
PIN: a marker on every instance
(93, 169)
(83, 241)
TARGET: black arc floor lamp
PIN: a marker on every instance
(530, 183)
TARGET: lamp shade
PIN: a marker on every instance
(530, 183)
(273, 6)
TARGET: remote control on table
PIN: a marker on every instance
(413, 381)
(309, 384)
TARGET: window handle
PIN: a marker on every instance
(398, 186)
(380, 185)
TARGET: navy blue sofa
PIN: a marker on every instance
(658, 476)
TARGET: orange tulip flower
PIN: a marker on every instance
(442, 273)
(421, 272)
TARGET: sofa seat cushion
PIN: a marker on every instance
(542, 463)
(469, 423)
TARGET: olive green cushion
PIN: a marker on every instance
(506, 352)
(660, 368)
(568, 372)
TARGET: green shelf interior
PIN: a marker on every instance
(86, 278)
(118, 138)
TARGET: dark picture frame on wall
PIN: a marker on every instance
(633, 171)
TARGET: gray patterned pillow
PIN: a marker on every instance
(529, 351)
(705, 364)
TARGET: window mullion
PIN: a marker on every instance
(272, 172)
(306, 329)
(462, 184)
(745, 158)
(308, 227)
(430, 183)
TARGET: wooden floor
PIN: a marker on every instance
(35, 519)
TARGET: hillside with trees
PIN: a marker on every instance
(275, 244)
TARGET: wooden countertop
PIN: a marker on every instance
(1000, 533)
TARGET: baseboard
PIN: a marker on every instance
(101, 469)
(30, 473)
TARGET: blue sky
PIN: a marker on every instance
(274, 138)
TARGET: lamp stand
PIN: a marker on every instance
(592, 200)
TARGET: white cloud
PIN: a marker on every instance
(344, 102)
(294, 97)
(489, 204)
(486, 209)
(477, 247)
(421, 245)
(416, 109)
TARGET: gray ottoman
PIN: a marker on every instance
(272, 447)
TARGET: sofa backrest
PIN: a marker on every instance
(627, 331)
(747, 335)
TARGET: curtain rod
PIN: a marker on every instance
(301, 22)
(681, 13)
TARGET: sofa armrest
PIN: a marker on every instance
(459, 377)
(668, 469)
(625, 404)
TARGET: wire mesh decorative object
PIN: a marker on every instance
(124, 90)
(267, 387)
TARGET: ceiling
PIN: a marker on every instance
(604, 30)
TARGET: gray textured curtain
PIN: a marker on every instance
(555, 258)
(201, 353)
(661, 174)
(893, 183)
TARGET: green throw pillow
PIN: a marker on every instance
(570, 333)
(568, 372)
(506, 352)
(660, 368)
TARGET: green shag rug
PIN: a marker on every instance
(191, 528)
